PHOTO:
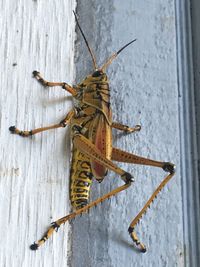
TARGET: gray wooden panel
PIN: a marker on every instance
(34, 171)
(196, 162)
(144, 90)
(188, 73)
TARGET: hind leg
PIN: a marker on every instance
(123, 156)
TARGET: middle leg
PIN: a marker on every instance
(126, 128)
(63, 123)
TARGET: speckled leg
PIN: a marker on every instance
(123, 156)
(64, 85)
(63, 123)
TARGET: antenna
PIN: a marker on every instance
(110, 59)
(90, 50)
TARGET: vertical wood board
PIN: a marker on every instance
(34, 172)
(144, 90)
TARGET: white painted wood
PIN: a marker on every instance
(34, 172)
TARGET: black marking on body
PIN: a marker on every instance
(81, 203)
(81, 183)
(85, 165)
(80, 190)
(85, 174)
(99, 96)
(107, 94)
(90, 118)
(81, 195)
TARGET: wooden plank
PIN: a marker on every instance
(34, 172)
(144, 90)
(188, 56)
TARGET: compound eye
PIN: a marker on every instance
(97, 73)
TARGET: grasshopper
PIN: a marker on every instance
(92, 153)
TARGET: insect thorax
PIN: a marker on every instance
(95, 92)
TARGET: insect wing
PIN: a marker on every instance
(100, 135)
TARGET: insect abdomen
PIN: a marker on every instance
(81, 179)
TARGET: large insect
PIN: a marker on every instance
(92, 154)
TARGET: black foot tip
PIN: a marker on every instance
(35, 73)
(169, 167)
(12, 129)
(138, 127)
(128, 178)
(143, 250)
(34, 246)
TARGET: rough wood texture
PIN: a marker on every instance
(188, 61)
(34, 171)
(144, 90)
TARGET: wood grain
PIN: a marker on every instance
(34, 172)
(144, 90)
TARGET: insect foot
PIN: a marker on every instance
(12, 129)
(169, 167)
(34, 246)
(137, 128)
(35, 73)
(135, 239)
(127, 178)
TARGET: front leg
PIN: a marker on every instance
(64, 85)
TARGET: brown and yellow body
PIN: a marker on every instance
(92, 119)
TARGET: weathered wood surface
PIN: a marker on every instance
(34, 171)
(188, 63)
(144, 90)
